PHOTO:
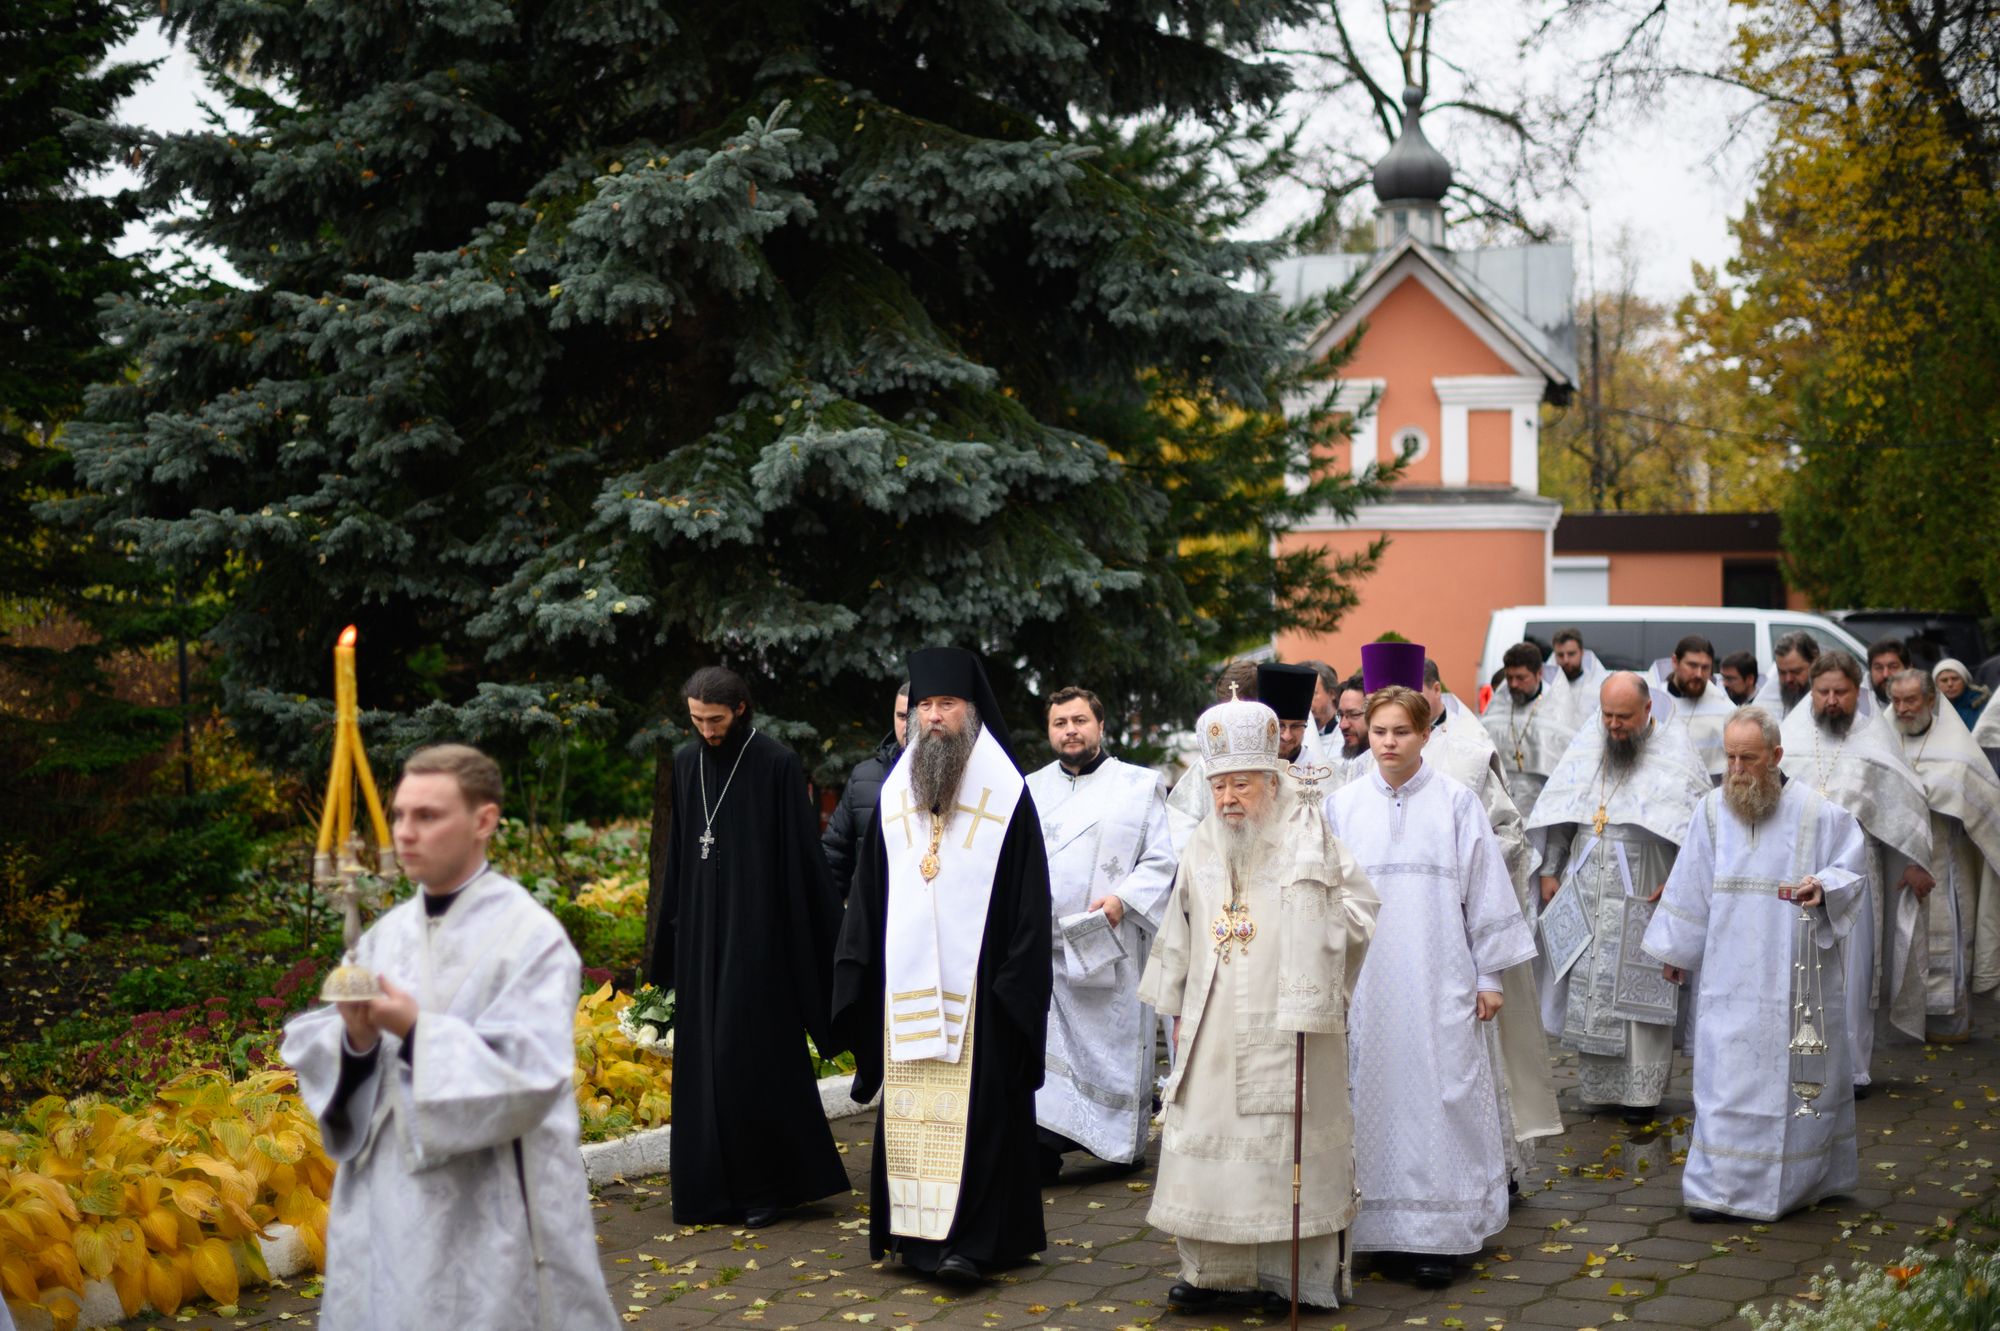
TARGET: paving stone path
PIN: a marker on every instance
(1594, 1245)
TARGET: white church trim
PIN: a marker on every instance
(1538, 515)
(1519, 395)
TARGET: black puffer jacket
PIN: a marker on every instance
(841, 842)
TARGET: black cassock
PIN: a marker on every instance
(745, 938)
(999, 1218)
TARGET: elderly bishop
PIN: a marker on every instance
(1834, 749)
(1110, 870)
(1609, 824)
(941, 984)
(1256, 962)
(1767, 884)
(1963, 927)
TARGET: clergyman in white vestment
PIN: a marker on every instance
(1963, 911)
(449, 1104)
(1104, 824)
(1263, 937)
(1839, 752)
(1529, 724)
(1573, 675)
(1428, 1132)
(1700, 705)
(1757, 855)
(1608, 825)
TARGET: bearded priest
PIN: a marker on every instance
(1964, 909)
(941, 984)
(1256, 961)
(1529, 725)
(1834, 749)
(1104, 822)
(744, 922)
(1759, 854)
(1609, 824)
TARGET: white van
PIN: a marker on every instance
(1632, 637)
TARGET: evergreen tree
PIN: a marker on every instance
(589, 342)
(89, 701)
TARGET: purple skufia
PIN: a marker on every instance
(1386, 663)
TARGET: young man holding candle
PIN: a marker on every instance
(447, 1102)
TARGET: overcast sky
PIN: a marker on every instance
(1671, 176)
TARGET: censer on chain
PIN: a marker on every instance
(1808, 1047)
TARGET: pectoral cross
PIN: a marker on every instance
(1519, 757)
(978, 813)
(707, 840)
(1598, 820)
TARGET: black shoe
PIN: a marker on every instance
(958, 1270)
(1864, 1090)
(1433, 1272)
(763, 1217)
(1187, 1298)
(1052, 1163)
(1701, 1215)
(1639, 1115)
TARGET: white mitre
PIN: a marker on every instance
(1239, 736)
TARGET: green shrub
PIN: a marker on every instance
(605, 942)
(1955, 1289)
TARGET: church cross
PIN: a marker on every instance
(903, 817)
(978, 813)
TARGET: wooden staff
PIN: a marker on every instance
(1298, 1154)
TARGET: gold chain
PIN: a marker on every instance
(929, 865)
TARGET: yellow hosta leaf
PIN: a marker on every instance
(195, 1198)
(130, 1283)
(16, 1280)
(102, 1193)
(163, 1285)
(93, 1251)
(63, 1307)
(162, 1228)
(215, 1268)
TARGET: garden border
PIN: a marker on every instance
(635, 1155)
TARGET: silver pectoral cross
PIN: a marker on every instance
(707, 840)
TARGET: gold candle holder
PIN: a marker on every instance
(340, 869)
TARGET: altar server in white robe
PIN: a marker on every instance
(1529, 724)
(448, 1105)
(1986, 731)
(1428, 1130)
(1257, 959)
(1573, 675)
(1835, 750)
(1609, 824)
(1758, 854)
(1104, 823)
(1700, 705)
(1459, 747)
(1963, 924)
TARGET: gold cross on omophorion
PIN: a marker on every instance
(909, 838)
(1598, 820)
(978, 813)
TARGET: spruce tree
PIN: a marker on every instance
(586, 342)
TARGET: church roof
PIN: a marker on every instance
(1412, 169)
(1523, 292)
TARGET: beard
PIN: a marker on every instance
(1248, 843)
(1752, 798)
(1914, 726)
(1834, 723)
(1791, 697)
(1352, 751)
(1695, 687)
(1623, 754)
(937, 762)
(1082, 757)
(1573, 673)
(1521, 699)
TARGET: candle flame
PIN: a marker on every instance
(348, 635)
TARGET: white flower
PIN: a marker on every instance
(649, 1035)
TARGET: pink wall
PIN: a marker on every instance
(1433, 587)
(1409, 339)
(1490, 443)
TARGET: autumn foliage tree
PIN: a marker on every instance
(1861, 321)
